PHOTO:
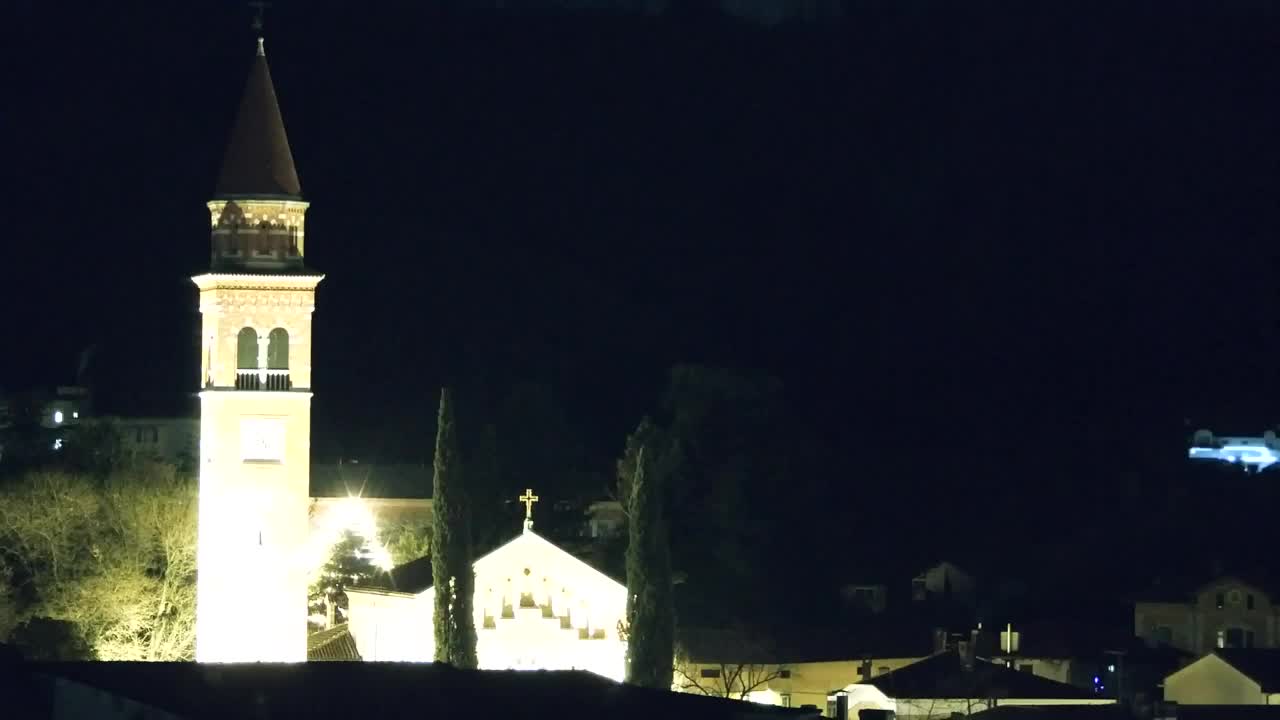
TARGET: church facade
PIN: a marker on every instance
(255, 400)
(536, 607)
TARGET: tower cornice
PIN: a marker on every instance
(253, 281)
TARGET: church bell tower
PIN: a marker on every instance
(255, 400)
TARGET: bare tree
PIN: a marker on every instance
(741, 666)
(114, 557)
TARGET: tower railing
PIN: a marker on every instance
(262, 379)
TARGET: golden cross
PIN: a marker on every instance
(528, 498)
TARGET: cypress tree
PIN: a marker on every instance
(650, 611)
(451, 567)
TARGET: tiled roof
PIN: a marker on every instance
(333, 645)
(944, 676)
(879, 637)
(258, 160)
(396, 690)
(708, 645)
(412, 577)
(1261, 665)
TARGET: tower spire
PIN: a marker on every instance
(259, 162)
(258, 21)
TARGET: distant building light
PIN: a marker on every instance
(1258, 456)
(57, 444)
(57, 416)
(75, 414)
(1111, 668)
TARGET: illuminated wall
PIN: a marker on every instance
(536, 608)
(251, 601)
(1212, 681)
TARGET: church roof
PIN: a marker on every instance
(334, 645)
(415, 577)
(258, 161)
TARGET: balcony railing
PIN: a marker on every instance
(260, 379)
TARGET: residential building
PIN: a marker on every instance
(954, 682)
(946, 581)
(173, 440)
(1228, 612)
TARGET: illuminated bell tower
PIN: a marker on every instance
(255, 400)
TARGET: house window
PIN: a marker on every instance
(784, 699)
(862, 671)
(1221, 601)
(784, 674)
(882, 670)
(1235, 638)
(709, 672)
(1234, 597)
(1027, 668)
(1248, 601)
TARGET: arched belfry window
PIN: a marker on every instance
(247, 349)
(278, 349)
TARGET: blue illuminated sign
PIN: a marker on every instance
(1251, 453)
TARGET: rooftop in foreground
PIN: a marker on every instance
(397, 690)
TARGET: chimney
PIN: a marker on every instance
(939, 640)
(866, 668)
(964, 649)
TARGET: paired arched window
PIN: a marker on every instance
(247, 349)
(278, 349)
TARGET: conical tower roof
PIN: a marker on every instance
(258, 162)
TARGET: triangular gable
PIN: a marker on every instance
(534, 540)
(413, 577)
(1211, 659)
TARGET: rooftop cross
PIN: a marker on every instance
(528, 498)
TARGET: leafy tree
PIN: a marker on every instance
(8, 602)
(733, 444)
(451, 565)
(114, 557)
(650, 611)
(408, 540)
(348, 564)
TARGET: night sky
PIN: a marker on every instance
(999, 254)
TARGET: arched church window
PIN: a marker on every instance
(278, 349)
(247, 349)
